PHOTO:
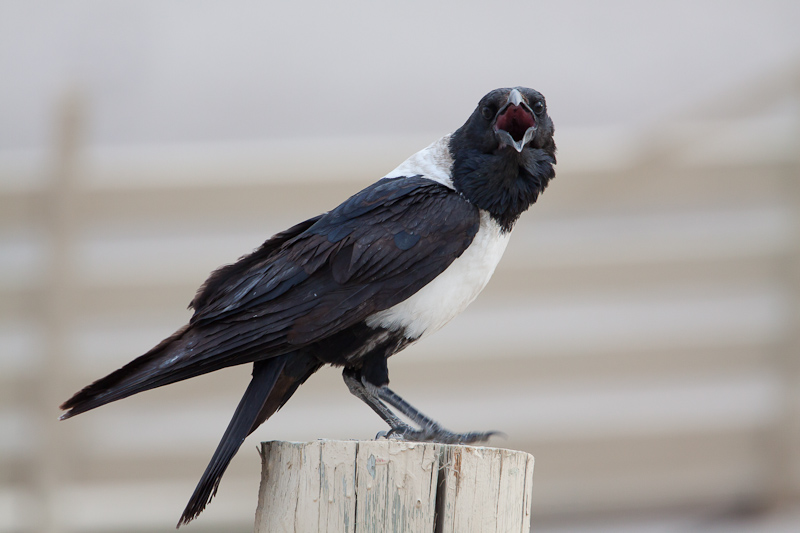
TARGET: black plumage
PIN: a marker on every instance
(341, 288)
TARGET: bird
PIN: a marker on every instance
(355, 285)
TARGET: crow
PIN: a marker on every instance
(357, 284)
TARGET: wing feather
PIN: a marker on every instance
(333, 271)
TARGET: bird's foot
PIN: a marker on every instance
(436, 434)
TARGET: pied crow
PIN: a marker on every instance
(353, 286)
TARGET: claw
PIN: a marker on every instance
(397, 432)
(438, 434)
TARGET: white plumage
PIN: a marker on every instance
(433, 162)
(438, 302)
(453, 290)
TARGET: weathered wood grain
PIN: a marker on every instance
(484, 490)
(307, 487)
(393, 486)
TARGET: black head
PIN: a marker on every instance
(503, 156)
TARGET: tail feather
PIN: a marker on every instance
(265, 375)
(143, 373)
(184, 355)
(187, 353)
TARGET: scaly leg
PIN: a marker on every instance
(430, 430)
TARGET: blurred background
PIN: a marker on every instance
(641, 337)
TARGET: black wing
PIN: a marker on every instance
(373, 251)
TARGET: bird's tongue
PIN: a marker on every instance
(515, 120)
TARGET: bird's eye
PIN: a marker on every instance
(538, 108)
(487, 112)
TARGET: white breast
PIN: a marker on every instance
(438, 302)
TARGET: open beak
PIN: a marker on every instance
(515, 123)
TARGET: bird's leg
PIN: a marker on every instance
(367, 395)
(429, 430)
(392, 398)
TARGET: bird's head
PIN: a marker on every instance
(503, 156)
(508, 119)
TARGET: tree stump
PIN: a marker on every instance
(389, 485)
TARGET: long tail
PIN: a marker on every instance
(273, 383)
(181, 356)
(184, 354)
(265, 375)
(153, 369)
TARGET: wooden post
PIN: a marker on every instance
(787, 424)
(392, 486)
(58, 218)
